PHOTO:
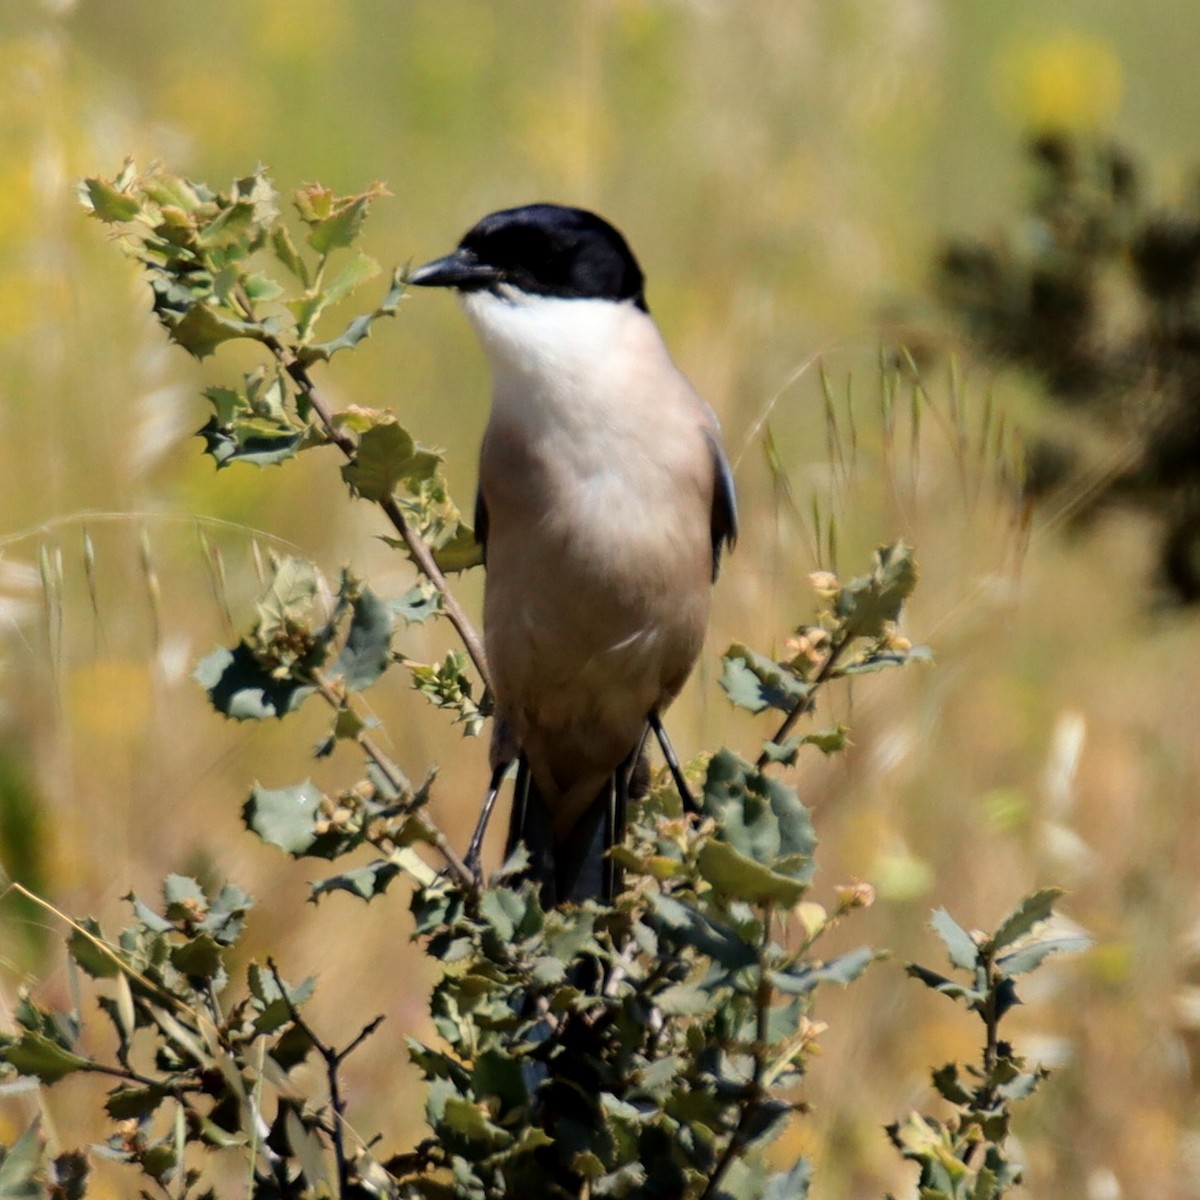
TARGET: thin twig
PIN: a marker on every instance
(422, 555)
(333, 1062)
(754, 1089)
(397, 781)
(808, 703)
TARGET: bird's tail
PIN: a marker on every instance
(578, 867)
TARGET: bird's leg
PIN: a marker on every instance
(620, 790)
(475, 849)
(685, 792)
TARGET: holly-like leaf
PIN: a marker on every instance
(232, 226)
(760, 817)
(359, 328)
(961, 947)
(135, 1103)
(802, 978)
(684, 924)
(447, 685)
(380, 461)
(1029, 957)
(32, 1053)
(241, 688)
(109, 204)
(198, 958)
(742, 878)
(367, 651)
(500, 1075)
(1029, 914)
(353, 275)
(335, 221)
(756, 682)
(790, 1185)
(364, 882)
(21, 1166)
(87, 946)
(949, 1086)
(184, 898)
(201, 330)
(865, 606)
(828, 741)
(250, 441)
(284, 817)
(285, 250)
(460, 552)
(948, 987)
(419, 603)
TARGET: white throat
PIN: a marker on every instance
(546, 341)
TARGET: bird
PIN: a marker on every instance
(605, 500)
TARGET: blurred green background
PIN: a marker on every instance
(785, 171)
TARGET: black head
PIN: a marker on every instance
(544, 250)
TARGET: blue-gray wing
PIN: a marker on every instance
(481, 523)
(724, 521)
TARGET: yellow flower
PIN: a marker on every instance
(1068, 81)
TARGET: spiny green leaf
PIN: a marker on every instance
(356, 272)
(367, 651)
(379, 462)
(173, 191)
(335, 221)
(184, 898)
(447, 685)
(230, 227)
(419, 603)
(239, 687)
(89, 952)
(357, 329)
(961, 947)
(949, 1086)
(683, 1000)
(364, 882)
(35, 1054)
(109, 204)
(803, 977)
(987, 1186)
(756, 682)
(790, 1185)
(828, 741)
(684, 923)
(498, 1074)
(284, 817)
(760, 817)
(939, 983)
(198, 958)
(1030, 913)
(1031, 956)
(288, 255)
(460, 552)
(293, 587)
(866, 605)
(136, 1103)
(1022, 1085)
(261, 289)
(735, 875)
(201, 330)
(21, 1166)
(463, 1118)
(249, 441)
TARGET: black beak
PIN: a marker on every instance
(458, 270)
